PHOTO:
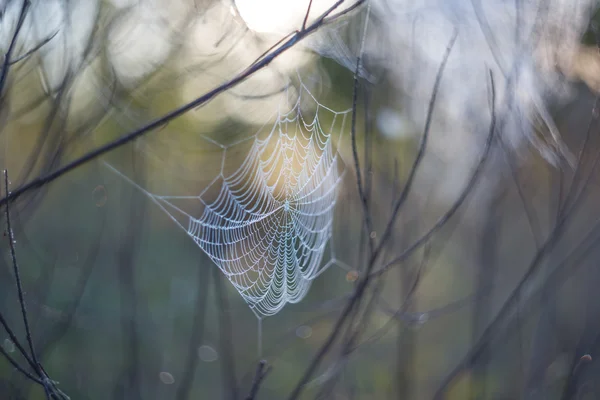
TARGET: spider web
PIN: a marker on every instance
(271, 220)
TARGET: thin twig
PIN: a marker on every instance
(565, 205)
(368, 156)
(379, 333)
(36, 48)
(357, 168)
(13, 256)
(307, 14)
(422, 147)
(6, 64)
(452, 210)
(16, 342)
(50, 389)
(262, 370)
(18, 367)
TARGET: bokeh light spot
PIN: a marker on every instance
(304, 331)
(207, 353)
(8, 345)
(166, 378)
(352, 276)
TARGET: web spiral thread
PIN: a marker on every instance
(268, 227)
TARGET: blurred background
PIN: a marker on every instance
(498, 302)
